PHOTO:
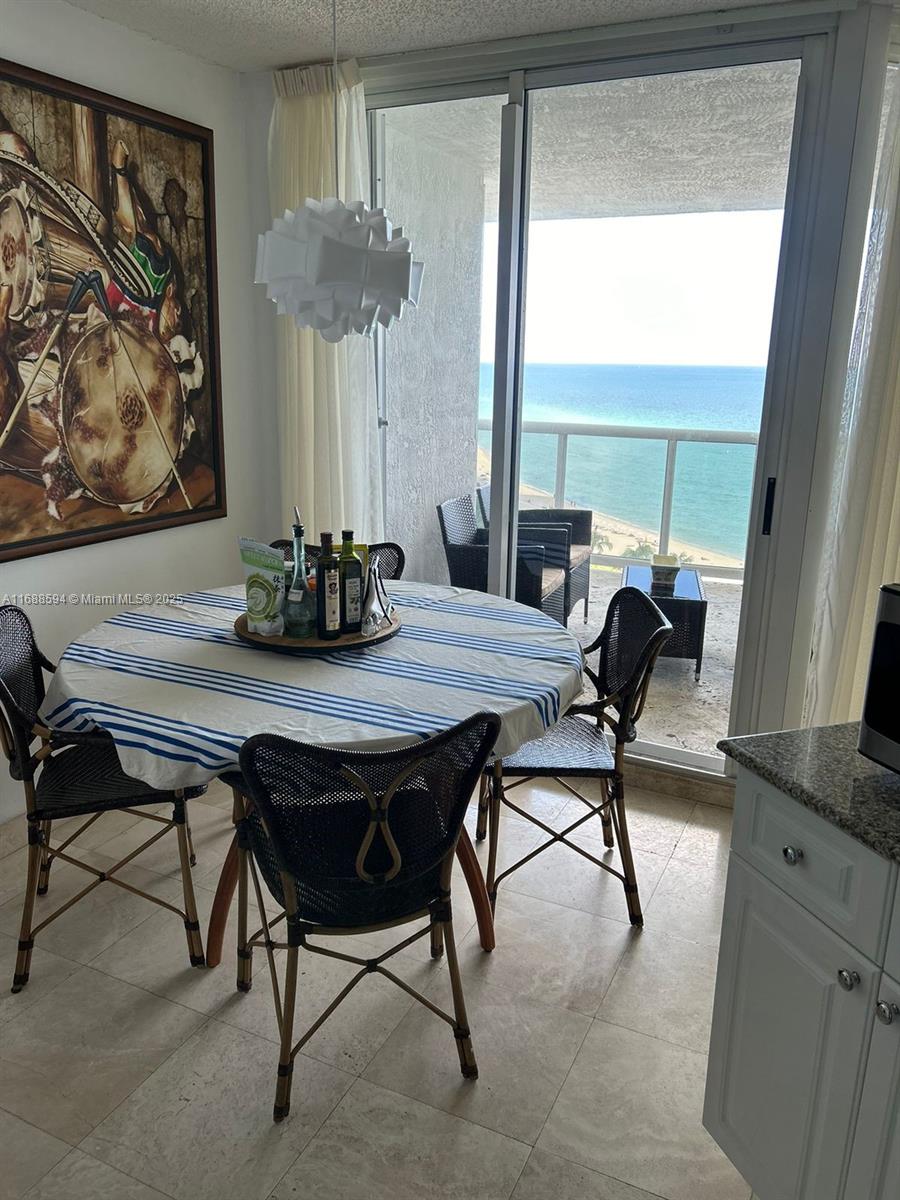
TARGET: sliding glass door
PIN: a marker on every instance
(654, 221)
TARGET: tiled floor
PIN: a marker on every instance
(126, 1075)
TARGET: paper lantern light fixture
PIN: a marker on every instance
(338, 268)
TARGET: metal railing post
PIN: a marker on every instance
(562, 453)
(665, 519)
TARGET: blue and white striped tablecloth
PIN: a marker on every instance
(180, 692)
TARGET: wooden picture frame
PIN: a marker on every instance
(110, 378)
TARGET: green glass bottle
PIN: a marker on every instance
(328, 591)
(351, 585)
(299, 604)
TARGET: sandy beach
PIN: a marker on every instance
(621, 535)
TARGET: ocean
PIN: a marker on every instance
(624, 477)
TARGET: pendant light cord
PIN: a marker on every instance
(334, 60)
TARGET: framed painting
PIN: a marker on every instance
(110, 402)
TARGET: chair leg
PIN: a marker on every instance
(467, 1063)
(631, 888)
(190, 840)
(437, 939)
(44, 878)
(606, 822)
(26, 941)
(496, 795)
(483, 806)
(285, 1061)
(191, 921)
(244, 952)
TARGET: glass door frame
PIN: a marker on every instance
(832, 146)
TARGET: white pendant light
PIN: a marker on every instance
(335, 267)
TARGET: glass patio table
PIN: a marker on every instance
(179, 692)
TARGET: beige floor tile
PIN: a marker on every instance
(67, 1061)
(47, 972)
(80, 1177)
(523, 1050)
(706, 838)
(13, 872)
(631, 1108)
(385, 1146)
(547, 1175)
(548, 953)
(27, 1154)
(545, 798)
(655, 822)
(560, 875)
(517, 837)
(107, 826)
(13, 834)
(688, 901)
(201, 1128)
(664, 987)
(101, 917)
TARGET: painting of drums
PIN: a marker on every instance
(110, 408)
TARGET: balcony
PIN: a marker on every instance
(684, 717)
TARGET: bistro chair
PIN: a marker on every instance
(73, 775)
(540, 579)
(632, 636)
(391, 558)
(350, 842)
(574, 557)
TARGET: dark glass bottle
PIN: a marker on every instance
(351, 585)
(328, 591)
(299, 604)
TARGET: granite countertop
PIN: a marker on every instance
(823, 770)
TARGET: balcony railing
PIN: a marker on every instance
(671, 436)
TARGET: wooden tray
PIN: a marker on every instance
(314, 645)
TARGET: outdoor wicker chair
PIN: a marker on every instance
(577, 562)
(540, 583)
(632, 636)
(391, 559)
(349, 842)
(73, 775)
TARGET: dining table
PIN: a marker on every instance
(180, 692)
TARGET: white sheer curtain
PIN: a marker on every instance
(862, 548)
(327, 415)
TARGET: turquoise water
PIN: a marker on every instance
(624, 477)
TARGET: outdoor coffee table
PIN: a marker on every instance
(179, 692)
(685, 606)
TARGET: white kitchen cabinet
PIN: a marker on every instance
(875, 1164)
(792, 1019)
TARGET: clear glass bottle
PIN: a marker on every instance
(351, 585)
(300, 603)
(328, 591)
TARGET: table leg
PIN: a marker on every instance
(468, 860)
(215, 934)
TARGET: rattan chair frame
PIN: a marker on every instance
(17, 735)
(620, 712)
(439, 915)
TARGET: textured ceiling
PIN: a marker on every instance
(253, 34)
(701, 141)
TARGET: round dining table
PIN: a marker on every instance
(179, 692)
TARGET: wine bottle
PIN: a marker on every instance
(328, 591)
(351, 585)
(300, 604)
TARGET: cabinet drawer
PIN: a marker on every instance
(892, 957)
(845, 884)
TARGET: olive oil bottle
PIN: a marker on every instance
(351, 585)
(328, 591)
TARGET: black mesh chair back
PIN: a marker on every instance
(457, 520)
(363, 835)
(633, 634)
(21, 689)
(484, 504)
(391, 559)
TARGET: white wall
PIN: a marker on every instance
(52, 36)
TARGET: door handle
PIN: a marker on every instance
(886, 1012)
(769, 506)
(848, 979)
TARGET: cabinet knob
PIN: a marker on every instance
(792, 855)
(848, 979)
(886, 1012)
